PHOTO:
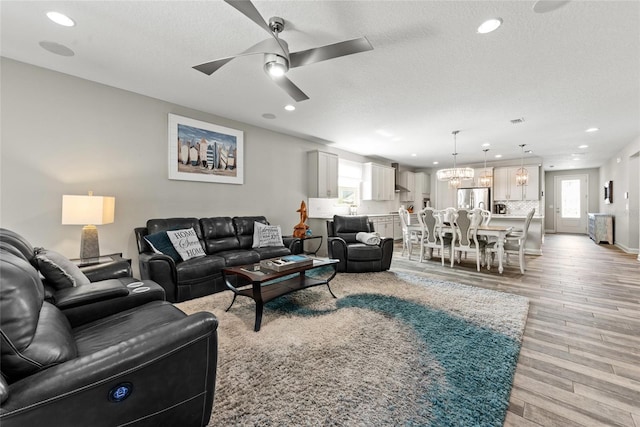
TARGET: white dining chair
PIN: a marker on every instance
(409, 237)
(431, 223)
(514, 244)
(465, 236)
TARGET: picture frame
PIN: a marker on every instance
(201, 151)
(608, 192)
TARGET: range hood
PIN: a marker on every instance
(399, 188)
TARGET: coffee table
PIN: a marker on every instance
(262, 285)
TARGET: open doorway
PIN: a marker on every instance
(571, 203)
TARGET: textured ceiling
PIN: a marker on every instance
(430, 73)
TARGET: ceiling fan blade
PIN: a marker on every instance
(291, 89)
(265, 46)
(249, 10)
(310, 56)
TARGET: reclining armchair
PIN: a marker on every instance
(354, 255)
(150, 365)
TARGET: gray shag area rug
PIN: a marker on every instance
(392, 349)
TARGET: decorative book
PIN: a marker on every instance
(286, 262)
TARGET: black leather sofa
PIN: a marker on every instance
(355, 256)
(112, 288)
(151, 365)
(226, 241)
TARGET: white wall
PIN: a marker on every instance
(593, 192)
(622, 169)
(65, 135)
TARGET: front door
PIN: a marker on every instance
(571, 202)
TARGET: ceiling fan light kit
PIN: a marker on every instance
(277, 59)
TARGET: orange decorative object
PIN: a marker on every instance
(300, 230)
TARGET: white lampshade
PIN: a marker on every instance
(88, 211)
(83, 210)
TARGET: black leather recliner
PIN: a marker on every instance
(112, 289)
(151, 365)
(354, 256)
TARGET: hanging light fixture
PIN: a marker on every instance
(454, 175)
(522, 176)
(486, 177)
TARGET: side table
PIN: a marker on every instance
(102, 259)
(310, 252)
(110, 266)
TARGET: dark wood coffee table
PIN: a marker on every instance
(255, 284)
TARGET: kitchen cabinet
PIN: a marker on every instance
(322, 171)
(407, 180)
(378, 182)
(505, 187)
(383, 225)
(422, 184)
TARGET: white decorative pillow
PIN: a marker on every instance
(186, 243)
(266, 235)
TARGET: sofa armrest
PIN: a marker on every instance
(86, 294)
(293, 243)
(109, 270)
(161, 269)
(337, 249)
(150, 363)
(386, 243)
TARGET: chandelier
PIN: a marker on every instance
(522, 176)
(486, 177)
(454, 175)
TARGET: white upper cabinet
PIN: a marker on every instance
(505, 187)
(377, 182)
(323, 174)
(407, 180)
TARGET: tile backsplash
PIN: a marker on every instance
(521, 207)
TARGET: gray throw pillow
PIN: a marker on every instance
(58, 271)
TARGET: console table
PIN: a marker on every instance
(601, 227)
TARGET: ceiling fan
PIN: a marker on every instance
(277, 58)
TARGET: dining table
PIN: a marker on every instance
(497, 231)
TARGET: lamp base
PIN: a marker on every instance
(89, 247)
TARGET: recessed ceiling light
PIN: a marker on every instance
(489, 25)
(61, 19)
(528, 151)
(583, 146)
(436, 163)
(289, 107)
(486, 144)
(592, 130)
(575, 158)
(384, 132)
(497, 156)
(414, 155)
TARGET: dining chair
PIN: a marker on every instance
(465, 235)
(409, 237)
(514, 244)
(431, 223)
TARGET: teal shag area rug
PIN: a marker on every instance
(392, 349)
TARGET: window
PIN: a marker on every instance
(570, 198)
(349, 180)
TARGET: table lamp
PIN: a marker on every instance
(88, 211)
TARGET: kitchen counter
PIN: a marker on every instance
(535, 236)
(515, 216)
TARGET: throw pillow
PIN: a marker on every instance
(266, 235)
(186, 242)
(58, 270)
(161, 244)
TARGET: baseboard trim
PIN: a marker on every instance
(627, 249)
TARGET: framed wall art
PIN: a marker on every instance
(201, 151)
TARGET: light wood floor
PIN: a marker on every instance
(580, 359)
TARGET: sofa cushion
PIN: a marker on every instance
(19, 243)
(244, 229)
(166, 224)
(35, 334)
(161, 244)
(347, 227)
(266, 235)
(363, 252)
(219, 234)
(186, 243)
(239, 257)
(199, 268)
(58, 270)
(272, 252)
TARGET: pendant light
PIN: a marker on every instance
(486, 178)
(454, 175)
(522, 176)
